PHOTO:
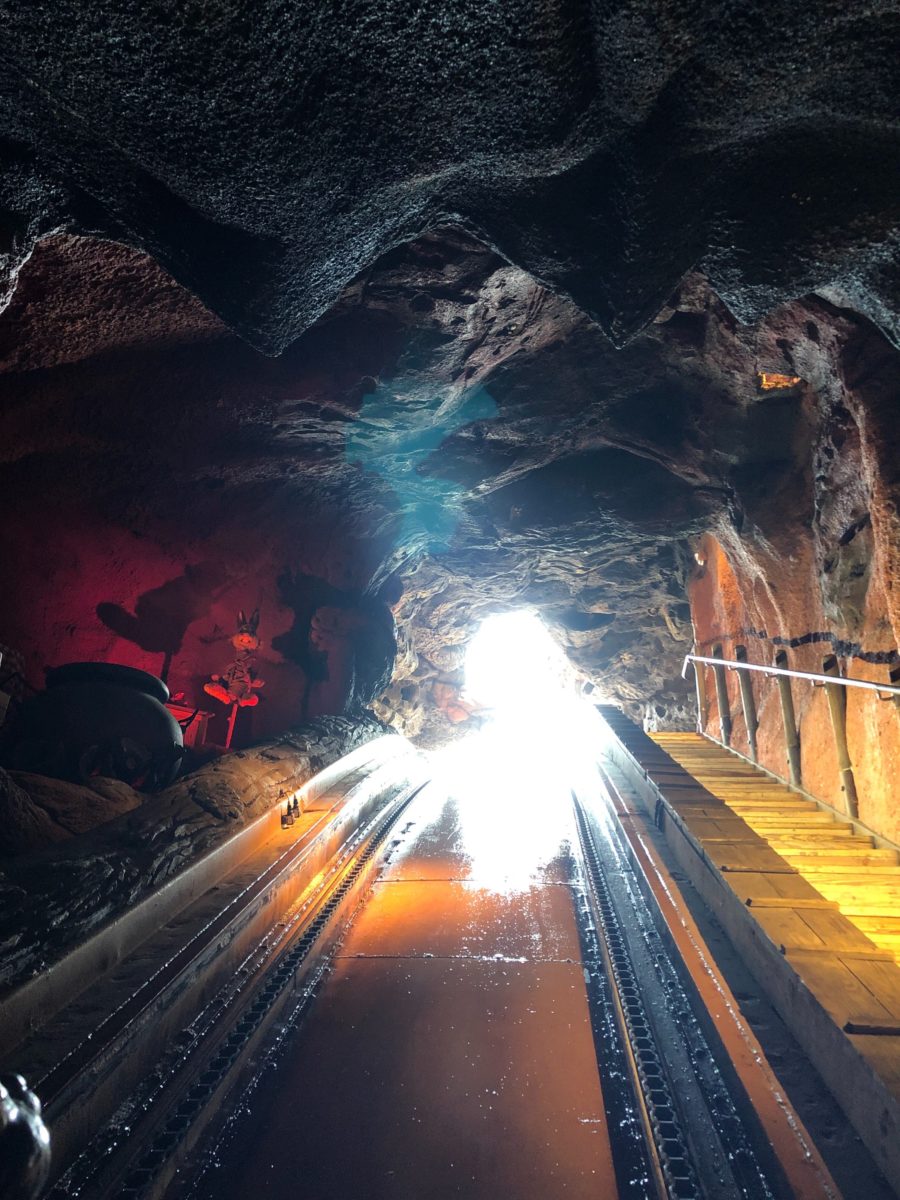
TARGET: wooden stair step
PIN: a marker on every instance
(851, 853)
(844, 899)
(853, 874)
(855, 990)
(788, 803)
(853, 909)
(811, 820)
(834, 831)
(885, 925)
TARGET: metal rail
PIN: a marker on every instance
(700, 1142)
(680, 1137)
(193, 1079)
(813, 677)
(835, 686)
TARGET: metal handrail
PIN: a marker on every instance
(843, 680)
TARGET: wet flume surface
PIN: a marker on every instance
(449, 1052)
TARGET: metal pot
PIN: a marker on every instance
(98, 719)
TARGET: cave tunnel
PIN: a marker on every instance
(450, 622)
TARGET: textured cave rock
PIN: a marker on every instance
(446, 220)
(451, 439)
(812, 570)
(36, 811)
(266, 155)
(51, 900)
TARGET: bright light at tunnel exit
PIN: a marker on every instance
(513, 663)
(538, 741)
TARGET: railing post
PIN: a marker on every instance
(789, 720)
(837, 704)
(748, 703)
(702, 698)
(722, 697)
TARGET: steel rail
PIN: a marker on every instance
(701, 1142)
(219, 1037)
(781, 1131)
(668, 1162)
(811, 676)
(223, 1037)
(98, 1043)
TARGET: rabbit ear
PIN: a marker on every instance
(242, 620)
(254, 621)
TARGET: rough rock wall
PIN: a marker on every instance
(453, 418)
(52, 899)
(151, 491)
(36, 811)
(813, 571)
(266, 154)
(451, 440)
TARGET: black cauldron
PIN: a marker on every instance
(24, 1141)
(97, 719)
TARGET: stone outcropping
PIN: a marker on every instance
(57, 897)
(446, 222)
(452, 440)
(36, 811)
(267, 155)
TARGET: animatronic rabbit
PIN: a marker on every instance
(237, 682)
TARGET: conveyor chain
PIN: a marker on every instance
(668, 1139)
(701, 1145)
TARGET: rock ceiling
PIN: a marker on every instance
(524, 267)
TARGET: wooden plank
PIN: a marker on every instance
(722, 829)
(837, 855)
(753, 884)
(787, 929)
(749, 784)
(785, 889)
(852, 872)
(840, 990)
(889, 924)
(792, 820)
(818, 836)
(871, 886)
(765, 806)
(853, 909)
(741, 856)
(694, 812)
(882, 980)
(838, 933)
(873, 953)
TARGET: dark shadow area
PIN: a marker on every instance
(162, 615)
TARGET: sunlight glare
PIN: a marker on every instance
(513, 777)
(512, 660)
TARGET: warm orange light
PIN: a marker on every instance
(768, 380)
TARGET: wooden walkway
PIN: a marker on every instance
(843, 866)
(812, 907)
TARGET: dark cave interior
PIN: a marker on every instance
(327, 332)
(585, 300)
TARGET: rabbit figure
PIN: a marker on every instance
(237, 684)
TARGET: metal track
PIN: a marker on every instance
(675, 1130)
(277, 980)
(700, 1144)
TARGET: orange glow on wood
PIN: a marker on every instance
(769, 380)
